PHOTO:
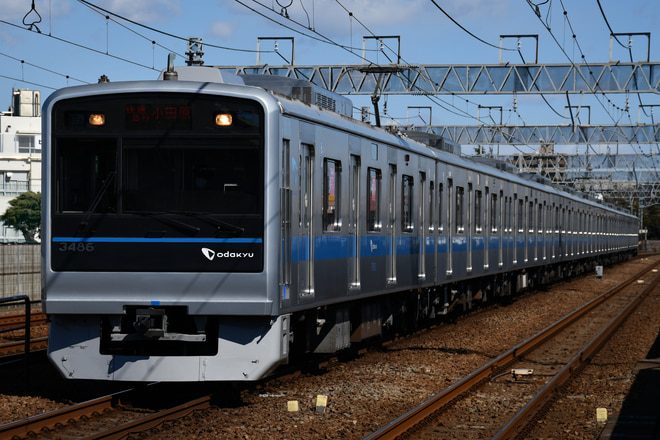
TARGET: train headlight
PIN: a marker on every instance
(223, 119)
(96, 119)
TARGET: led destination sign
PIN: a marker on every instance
(158, 116)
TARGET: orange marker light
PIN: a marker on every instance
(97, 119)
(223, 119)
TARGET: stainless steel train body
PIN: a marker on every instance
(198, 230)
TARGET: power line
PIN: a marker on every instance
(464, 29)
(80, 46)
(93, 6)
(23, 62)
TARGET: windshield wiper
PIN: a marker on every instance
(95, 203)
(222, 226)
(162, 217)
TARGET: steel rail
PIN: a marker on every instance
(51, 420)
(531, 410)
(427, 409)
(10, 322)
(18, 347)
(151, 421)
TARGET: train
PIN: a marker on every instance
(209, 226)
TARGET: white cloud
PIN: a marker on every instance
(144, 11)
(221, 29)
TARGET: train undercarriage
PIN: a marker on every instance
(338, 327)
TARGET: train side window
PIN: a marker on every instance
(373, 210)
(407, 224)
(519, 216)
(331, 195)
(460, 209)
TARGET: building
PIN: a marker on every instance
(20, 153)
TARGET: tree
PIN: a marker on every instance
(24, 215)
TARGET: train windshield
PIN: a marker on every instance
(158, 174)
(172, 176)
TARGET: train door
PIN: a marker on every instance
(433, 232)
(501, 220)
(450, 227)
(421, 274)
(468, 230)
(487, 222)
(306, 242)
(391, 261)
(353, 224)
(516, 222)
(285, 213)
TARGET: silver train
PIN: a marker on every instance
(209, 227)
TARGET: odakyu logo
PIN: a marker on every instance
(211, 255)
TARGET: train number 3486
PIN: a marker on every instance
(76, 247)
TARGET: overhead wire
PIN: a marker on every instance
(159, 31)
(593, 91)
(80, 46)
(23, 62)
(328, 40)
(464, 29)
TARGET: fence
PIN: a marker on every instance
(20, 271)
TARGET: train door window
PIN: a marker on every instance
(407, 224)
(460, 217)
(331, 195)
(478, 227)
(520, 224)
(373, 208)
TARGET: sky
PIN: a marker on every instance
(50, 44)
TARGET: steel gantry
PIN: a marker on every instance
(617, 176)
(503, 79)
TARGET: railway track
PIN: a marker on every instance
(15, 336)
(502, 398)
(9, 322)
(106, 417)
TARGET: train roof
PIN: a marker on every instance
(284, 92)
